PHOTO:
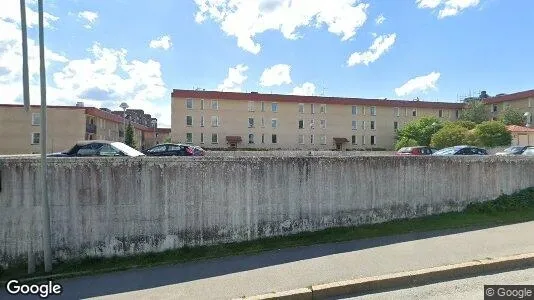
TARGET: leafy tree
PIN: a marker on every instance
(167, 140)
(129, 139)
(420, 131)
(466, 124)
(475, 111)
(448, 136)
(405, 142)
(511, 116)
(493, 134)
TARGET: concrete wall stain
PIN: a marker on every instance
(109, 206)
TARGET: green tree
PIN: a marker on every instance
(129, 139)
(475, 111)
(420, 131)
(493, 134)
(512, 116)
(466, 124)
(167, 140)
(448, 136)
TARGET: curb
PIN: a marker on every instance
(403, 279)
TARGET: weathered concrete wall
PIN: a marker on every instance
(115, 206)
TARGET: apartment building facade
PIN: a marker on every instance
(521, 101)
(214, 119)
(66, 125)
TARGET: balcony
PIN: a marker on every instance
(90, 128)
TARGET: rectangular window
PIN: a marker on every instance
(263, 138)
(215, 104)
(301, 108)
(201, 104)
(354, 140)
(363, 125)
(36, 138)
(214, 138)
(414, 112)
(36, 119)
(262, 106)
(457, 114)
(363, 110)
(189, 120)
(395, 125)
(354, 110)
(189, 137)
(202, 138)
(495, 108)
(201, 121)
(323, 124)
(274, 107)
(440, 113)
(312, 108)
(274, 139)
(372, 110)
(323, 109)
(354, 124)
(274, 123)
(251, 106)
(189, 103)
(311, 139)
(396, 112)
(214, 121)
(373, 140)
(372, 125)
(312, 124)
(323, 139)
(301, 139)
(251, 138)
(301, 124)
(250, 122)
(363, 139)
(262, 122)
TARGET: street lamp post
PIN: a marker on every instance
(124, 106)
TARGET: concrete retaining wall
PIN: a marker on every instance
(115, 206)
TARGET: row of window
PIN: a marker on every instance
(322, 109)
(274, 139)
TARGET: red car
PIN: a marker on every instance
(418, 150)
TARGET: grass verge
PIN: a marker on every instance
(506, 209)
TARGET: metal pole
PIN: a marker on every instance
(25, 76)
(124, 124)
(42, 139)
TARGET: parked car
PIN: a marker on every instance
(418, 150)
(529, 151)
(169, 149)
(98, 148)
(514, 150)
(461, 150)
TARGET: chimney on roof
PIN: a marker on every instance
(79, 104)
(253, 92)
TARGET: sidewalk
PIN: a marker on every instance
(234, 277)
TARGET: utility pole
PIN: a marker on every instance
(47, 247)
(25, 75)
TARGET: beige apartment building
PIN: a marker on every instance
(20, 130)
(521, 101)
(214, 119)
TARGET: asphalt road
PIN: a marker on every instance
(464, 289)
(230, 277)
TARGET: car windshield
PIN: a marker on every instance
(405, 150)
(126, 149)
(513, 149)
(445, 151)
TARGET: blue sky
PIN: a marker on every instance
(106, 52)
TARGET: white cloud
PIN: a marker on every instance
(10, 12)
(380, 19)
(306, 89)
(380, 46)
(104, 79)
(447, 8)
(244, 19)
(234, 80)
(276, 75)
(163, 42)
(88, 16)
(418, 84)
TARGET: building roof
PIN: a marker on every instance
(164, 130)
(515, 128)
(309, 99)
(89, 111)
(510, 97)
